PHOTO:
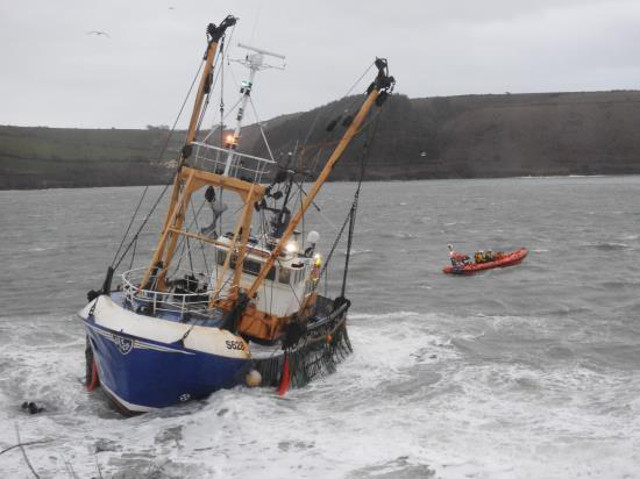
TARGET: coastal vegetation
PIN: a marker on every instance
(443, 137)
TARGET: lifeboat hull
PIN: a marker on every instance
(509, 259)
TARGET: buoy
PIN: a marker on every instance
(253, 378)
(95, 379)
(285, 381)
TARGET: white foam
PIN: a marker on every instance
(406, 400)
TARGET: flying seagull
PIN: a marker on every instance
(98, 33)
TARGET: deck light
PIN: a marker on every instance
(291, 247)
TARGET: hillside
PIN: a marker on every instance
(491, 136)
(444, 137)
(57, 158)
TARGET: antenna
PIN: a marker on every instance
(254, 62)
(259, 53)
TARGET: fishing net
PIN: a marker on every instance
(316, 354)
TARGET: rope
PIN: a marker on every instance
(24, 453)
(44, 441)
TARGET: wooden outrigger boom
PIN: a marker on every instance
(175, 214)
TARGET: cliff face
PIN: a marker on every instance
(446, 137)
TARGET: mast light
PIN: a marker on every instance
(231, 141)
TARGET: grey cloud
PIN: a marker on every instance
(54, 74)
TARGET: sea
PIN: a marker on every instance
(530, 371)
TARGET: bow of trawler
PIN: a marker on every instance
(153, 358)
(235, 299)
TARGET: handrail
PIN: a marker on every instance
(243, 165)
(161, 300)
(226, 150)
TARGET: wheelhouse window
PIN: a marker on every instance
(220, 256)
(298, 272)
(253, 268)
(249, 266)
(285, 275)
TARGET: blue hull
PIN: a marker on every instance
(142, 375)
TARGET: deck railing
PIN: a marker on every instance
(157, 301)
(245, 167)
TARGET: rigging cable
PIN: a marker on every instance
(183, 239)
(354, 206)
(264, 137)
(189, 253)
(218, 75)
(133, 254)
(307, 174)
(162, 152)
(195, 220)
(315, 120)
(222, 117)
(334, 142)
(350, 219)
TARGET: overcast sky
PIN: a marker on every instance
(55, 74)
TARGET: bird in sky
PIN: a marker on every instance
(98, 33)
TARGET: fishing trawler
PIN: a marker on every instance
(214, 309)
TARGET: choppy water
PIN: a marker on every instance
(529, 371)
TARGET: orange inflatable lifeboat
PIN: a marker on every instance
(501, 260)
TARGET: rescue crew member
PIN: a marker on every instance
(457, 259)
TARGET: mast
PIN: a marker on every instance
(376, 93)
(254, 63)
(175, 213)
